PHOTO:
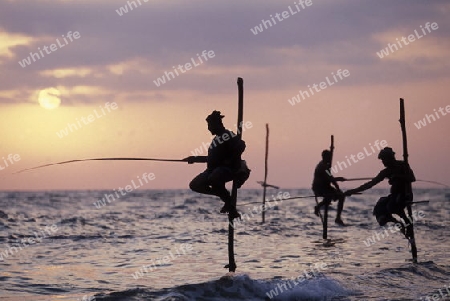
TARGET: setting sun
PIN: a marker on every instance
(49, 98)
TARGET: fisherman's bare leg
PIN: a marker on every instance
(408, 230)
(217, 179)
(340, 207)
(396, 205)
(201, 184)
(326, 201)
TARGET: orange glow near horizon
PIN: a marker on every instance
(167, 131)
(100, 97)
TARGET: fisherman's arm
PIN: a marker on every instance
(380, 177)
(333, 180)
(196, 159)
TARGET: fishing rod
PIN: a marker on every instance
(263, 184)
(427, 201)
(104, 159)
(296, 197)
(301, 197)
(366, 179)
(312, 196)
(352, 179)
(433, 182)
(418, 202)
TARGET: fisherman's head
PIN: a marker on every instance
(326, 156)
(215, 125)
(387, 156)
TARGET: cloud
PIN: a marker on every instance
(124, 54)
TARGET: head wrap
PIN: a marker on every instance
(386, 153)
(214, 117)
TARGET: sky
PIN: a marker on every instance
(79, 79)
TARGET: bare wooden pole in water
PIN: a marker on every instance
(408, 192)
(265, 174)
(231, 261)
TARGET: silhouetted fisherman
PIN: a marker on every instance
(399, 175)
(223, 163)
(321, 186)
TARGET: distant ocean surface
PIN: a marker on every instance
(172, 245)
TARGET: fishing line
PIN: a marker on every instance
(103, 159)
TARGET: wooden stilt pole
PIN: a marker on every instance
(231, 261)
(408, 192)
(324, 218)
(317, 202)
(265, 174)
(325, 213)
(325, 222)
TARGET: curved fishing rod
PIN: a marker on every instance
(425, 181)
(103, 159)
(433, 182)
(312, 196)
(263, 184)
(291, 198)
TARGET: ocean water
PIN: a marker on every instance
(172, 245)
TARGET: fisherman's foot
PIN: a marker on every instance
(409, 232)
(339, 222)
(316, 210)
(233, 213)
(402, 229)
(225, 208)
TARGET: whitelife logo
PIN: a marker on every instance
(219, 139)
(154, 264)
(341, 74)
(169, 75)
(359, 156)
(44, 233)
(293, 282)
(281, 17)
(131, 4)
(34, 56)
(146, 177)
(391, 48)
(430, 118)
(377, 236)
(72, 127)
(11, 159)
